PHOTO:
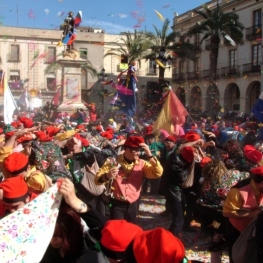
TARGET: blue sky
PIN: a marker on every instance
(114, 16)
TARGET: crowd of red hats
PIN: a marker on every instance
(119, 239)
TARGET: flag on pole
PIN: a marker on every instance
(9, 104)
(172, 115)
(78, 19)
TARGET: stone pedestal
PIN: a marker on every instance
(71, 84)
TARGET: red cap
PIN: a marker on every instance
(205, 161)
(236, 128)
(116, 236)
(43, 137)
(134, 141)
(16, 163)
(192, 136)
(84, 142)
(28, 123)
(98, 128)
(81, 127)
(148, 130)
(52, 131)
(188, 154)
(107, 134)
(252, 154)
(158, 245)
(214, 127)
(170, 138)
(257, 170)
(26, 137)
(16, 124)
(1, 131)
(15, 189)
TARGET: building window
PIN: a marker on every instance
(51, 55)
(14, 80)
(152, 67)
(181, 67)
(233, 58)
(257, 18)
(51, 82)
(13, 56)
(83, 52)
(256, 54)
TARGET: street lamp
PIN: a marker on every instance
(165, 60)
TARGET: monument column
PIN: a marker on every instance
(71, 84)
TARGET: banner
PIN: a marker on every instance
(9, 104)
(26, 233)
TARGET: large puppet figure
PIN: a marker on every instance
(257, 109)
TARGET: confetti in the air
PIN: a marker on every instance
(61, 13)
(160, 16)
(46, 11)
(166, 6)
(31, 14)
(122, 15)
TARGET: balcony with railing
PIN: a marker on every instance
(254, 32)
(208, 44)
(251, 69)
(178, 77)
(193, 75)
(13, 57)
(206, 74)
(230, 72)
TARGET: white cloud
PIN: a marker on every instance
(110, 28)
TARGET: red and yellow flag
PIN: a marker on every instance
(171, 116)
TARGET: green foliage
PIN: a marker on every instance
(217, 24)
(134, 46)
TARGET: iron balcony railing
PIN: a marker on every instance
(251, 68)
(178, 77)
(254, 32)
(206, 74)
(228, 72)
(193, 75)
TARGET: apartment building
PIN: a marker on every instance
(239, 69)
(27, 52)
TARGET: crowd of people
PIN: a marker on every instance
(212, 172)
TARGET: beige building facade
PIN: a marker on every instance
(26, 53)
(240, 69)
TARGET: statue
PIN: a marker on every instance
(69, 31)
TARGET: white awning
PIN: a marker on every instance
(14, 73)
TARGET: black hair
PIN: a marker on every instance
(258, 178)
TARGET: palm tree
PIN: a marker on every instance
(163, 43)
(133, 46)
(217, 26)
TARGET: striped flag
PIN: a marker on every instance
(171, 116)
(9, 103)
